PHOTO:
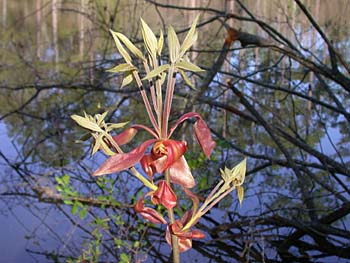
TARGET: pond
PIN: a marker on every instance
(275, 90)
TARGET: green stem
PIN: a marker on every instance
(174, 239)
(143, 179)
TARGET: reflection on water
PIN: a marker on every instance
(53, 57)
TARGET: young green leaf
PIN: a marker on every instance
(100, 118)
(235, 176)
(75, 208)
(116, 126)
(67, 202)
(118, 242)
(136, 244)
(120, 47)
(106, 149)
(59, 188)
(137, 52)
(100, 144)
(186, 65)
(238, 173)
(190, 38)
(186, 79)
(122, 68)
(157, 71)
(86, 123)
(225, 174)
(240, 194)
(149, 39)
(173, 44)
(160, 43)
(65, 179)
(124, 258)
(97, 144)
(127, 79)
(82, 213)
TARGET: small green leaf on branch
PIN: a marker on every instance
(186, 79)
(149, 39)
(122, 68)
(127, 80)
(160, 43)
(120, 47)
(157, 71)
(191, 37)
(137, 52)
(186, 65)
(173, 44)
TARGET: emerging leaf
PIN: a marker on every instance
(160, 43)
(127, 79)
(240, 194)
(112, 126)
(190, 38)
(86, 123)
(100, 118)
(173, 44)
(75, 207)
(106, 149)
(122, 68)
(149, 39)
(186, 79)
(137, 52)
(120, 47)
(186, 65)
(155, 72)
(236, 175)
(100, 144)
(97, 144)
(225, 174)
(82, 213)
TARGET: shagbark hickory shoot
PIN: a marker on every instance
(161, 154)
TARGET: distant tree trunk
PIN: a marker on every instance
(54, 12)
(4, 13)
(38, 29)
(82, 22)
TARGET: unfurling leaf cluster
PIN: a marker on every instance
(235, 178)
(98, 129)
(178, 62)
